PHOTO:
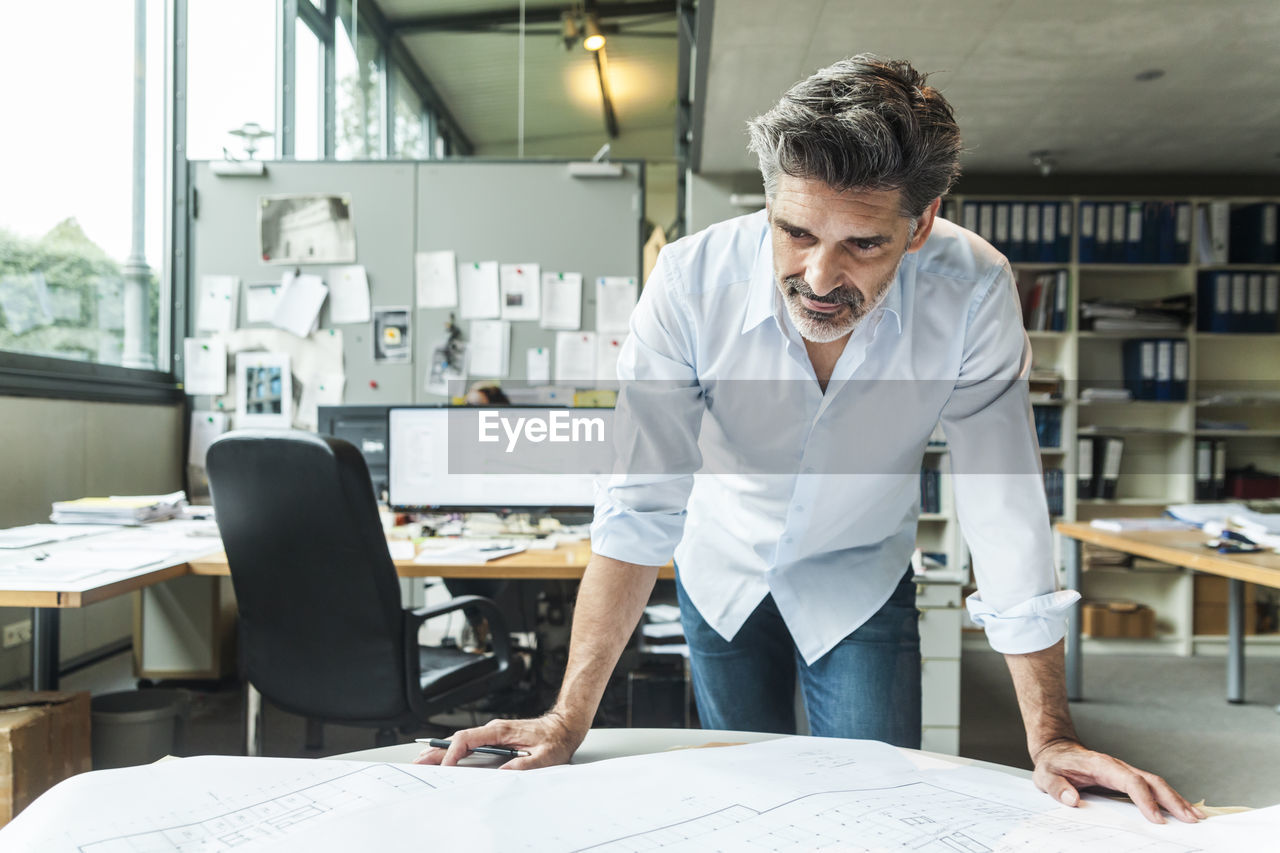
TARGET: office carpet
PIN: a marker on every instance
(1163, 714)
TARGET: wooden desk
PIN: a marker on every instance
(564, 562)
(1183, 548)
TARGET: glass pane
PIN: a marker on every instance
(308, 106)
(231, 73)
(411, 137)
(360, 91)
(66, 230)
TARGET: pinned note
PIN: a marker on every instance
(489, 350)
(260, 300)
(608, 347)
(205, 427)
(348, 295)
(615, 300)
(576, 358)
(478, 290)
(437, 279)
(537, 365)
(206, 366)
(216, 309)
(520, 291)
(562, 301)
(298, 311)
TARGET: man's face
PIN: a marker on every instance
(835, 254)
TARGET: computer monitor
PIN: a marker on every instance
(366, 428)
(497, 458)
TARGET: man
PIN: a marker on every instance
(800, 358)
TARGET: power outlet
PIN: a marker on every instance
(17, 633)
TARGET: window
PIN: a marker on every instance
(308, 107)
(66, 166)
(411, 125)
(361, 96)
(231, 72)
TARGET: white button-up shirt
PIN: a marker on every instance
(758, 482)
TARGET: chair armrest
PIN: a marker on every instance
(497, 625)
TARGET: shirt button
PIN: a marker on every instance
(808, 470)
(786, 540)
(799, 509)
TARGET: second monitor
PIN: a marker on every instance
(497, 458)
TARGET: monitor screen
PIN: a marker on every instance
(497, 457)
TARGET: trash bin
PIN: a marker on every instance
(137, 726)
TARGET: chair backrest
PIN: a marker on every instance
(317, 592)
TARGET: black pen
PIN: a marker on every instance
(483, 750)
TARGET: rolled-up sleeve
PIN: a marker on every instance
(640, 509)
(997, 480)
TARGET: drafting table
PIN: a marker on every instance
(1183, 548)
(602, 744)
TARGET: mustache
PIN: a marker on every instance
(850, 296)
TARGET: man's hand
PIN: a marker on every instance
(549, 740)
(1065, 766)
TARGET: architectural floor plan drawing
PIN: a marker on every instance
(915, 816)
(790, 794)
(216, 803)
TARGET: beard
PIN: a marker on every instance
(824, 327)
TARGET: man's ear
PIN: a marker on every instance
(924, 225)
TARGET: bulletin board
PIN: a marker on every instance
(525, 212)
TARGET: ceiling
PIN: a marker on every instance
(1022, 75)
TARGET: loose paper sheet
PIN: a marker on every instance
(437, 275)
(478, 290)
(576, 358)
(537, 365)
(520, 290)
(562, 300)
(608, 346)
(615, 300)
(489, 350)
(216, 311)
(261, 299)
(348, 295)
(205, 427)
(299, 310)
(206, 371)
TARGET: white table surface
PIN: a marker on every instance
(601, 744)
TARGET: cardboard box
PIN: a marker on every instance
(1125, 619)
(1210, 615)
(44, 738)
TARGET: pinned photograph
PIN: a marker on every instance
(264, 390)
(306, 229)
(391, 334)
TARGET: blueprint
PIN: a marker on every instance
(212, 803)
(786, 794)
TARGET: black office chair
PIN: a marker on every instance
(323, 634)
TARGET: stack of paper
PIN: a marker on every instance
(40, 534)
(136, 509)
(464, 551)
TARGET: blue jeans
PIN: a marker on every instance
(867, 686)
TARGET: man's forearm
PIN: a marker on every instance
(1041, 686)
(610, 600)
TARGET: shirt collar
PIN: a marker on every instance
(763, 296)
(762, 288)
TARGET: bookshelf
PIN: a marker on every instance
(1231, 378)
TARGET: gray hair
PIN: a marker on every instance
(863, 123)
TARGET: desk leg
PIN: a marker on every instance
(44, 648)
(252, 720)
(1074, 659)
(1235, 641)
